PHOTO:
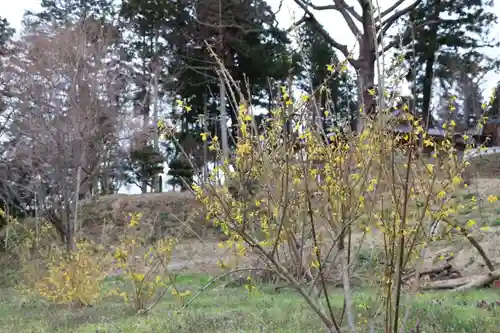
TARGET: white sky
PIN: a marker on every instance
(338, 29)
(332, 21)
(290, 12)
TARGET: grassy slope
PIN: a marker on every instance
(234, 310)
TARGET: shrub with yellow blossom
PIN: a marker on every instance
(77, 277)
(74, 278)
(314, 201)
(144, 267)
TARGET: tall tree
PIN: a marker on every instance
(66, 85)
(9, 202)
(471, 98)
(6, 31)
(449, 50)
(149, 22)
(335, 103)
(245, 37)
(105, 15)
(369, 26)
(71, 11)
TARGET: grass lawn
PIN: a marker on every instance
(235, 310)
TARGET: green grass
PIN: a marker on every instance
(235, 310)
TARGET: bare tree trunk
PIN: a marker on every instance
(366, 100)
(146, 109)
(77, 199)
(369, 37)
(37, 221)
(429, 66)
(95, 190)
(145, 122)
(205, 143)
(222, 92)
(347, 288)
(66, 219)
(223, 119)
(156, 177)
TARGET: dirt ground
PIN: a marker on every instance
(200, 251)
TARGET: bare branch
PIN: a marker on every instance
(312, 20)
(279, 8)
(389, 10)
(387, 23)
(341, 8)
(302, 20)
(350, 9)
(405, 35)
(353, 12)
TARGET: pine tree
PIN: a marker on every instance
(181, 174)
(253, 50)
(337, 103)
(12, 207)
(6, 32)
(71, 11)
(149, 22)
(448, 49)
(143, 165)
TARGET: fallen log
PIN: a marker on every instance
(455, 274)
(481, 281)
(436, 269)
(447, 284)
(463, 283)
(429, 271)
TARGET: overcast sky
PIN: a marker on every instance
(333, 22)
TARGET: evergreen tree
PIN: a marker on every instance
(71, 11)
(320, 64)
(242, 33)
(245, 37)
(6, 32)
(181, 174)
(143, 165)
(448, 49)
(149, 22)
(11, 202)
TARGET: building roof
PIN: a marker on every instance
(495, 121)
(435, 131)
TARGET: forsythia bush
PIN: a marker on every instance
(72, 277)
(143, 266)
(77, 277)
(316, 194)
(61, 277)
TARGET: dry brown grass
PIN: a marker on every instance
(168, 213)
(175, 213)
(485, 166)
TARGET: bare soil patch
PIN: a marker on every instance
(199, 251)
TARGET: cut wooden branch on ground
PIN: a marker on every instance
(464, 283)
(474, 243)
(438, 272)
(432, 270)
(481, 281)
